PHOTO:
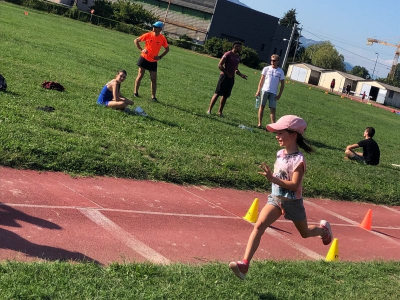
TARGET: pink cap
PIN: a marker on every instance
(289, 122)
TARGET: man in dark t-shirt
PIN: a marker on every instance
(229, 67)
(371, 152)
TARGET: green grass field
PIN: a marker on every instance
(178, 142)
(267, 280)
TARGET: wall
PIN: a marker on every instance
(394, 101)
(326, 79)
(257, 30)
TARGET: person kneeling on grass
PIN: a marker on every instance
(286, 197)
(110, 95)
(371, 153)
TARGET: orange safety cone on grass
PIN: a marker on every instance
(367, 222)
(252, 213)
(333, 253)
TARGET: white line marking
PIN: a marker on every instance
(83, 196)
(120, 210)
(125, 237)
(294, 245)
(387, 238)
(391, 209)
(213, 204)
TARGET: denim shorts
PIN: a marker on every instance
(292, 210)
(268, 96)
(357, 157)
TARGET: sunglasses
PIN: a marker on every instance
(274, 60)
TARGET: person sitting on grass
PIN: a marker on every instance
(371, 152)
(110, 95)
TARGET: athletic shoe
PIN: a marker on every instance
(239, 268)
(208, 112)
(328, 236)
(136, 95)
(154, 99)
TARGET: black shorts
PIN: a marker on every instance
(224, 86)
(148, 65)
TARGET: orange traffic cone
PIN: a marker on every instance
(367, 222)
(25, 13)
(252, 213)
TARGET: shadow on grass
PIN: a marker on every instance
(11, 93)
(267, 296)
(215, 118)
(12, 241)
(316, 144)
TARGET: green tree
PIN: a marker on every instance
(325, 56)
(288, 20)
(396, 78)
(360, 72)
(132, 13)
(103, 8)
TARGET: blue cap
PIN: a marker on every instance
(158, 24)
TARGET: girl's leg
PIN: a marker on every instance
(117, 104)
(128, 101)
(269, 214)
(138, 80)
(308, 231)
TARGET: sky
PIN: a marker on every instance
(347, 25)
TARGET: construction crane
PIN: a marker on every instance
(396, 54)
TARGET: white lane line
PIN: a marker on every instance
(83, 196)
(383, 236)
(294, 245)
(391, 209)
(170, 214)
(120, 210)
(209, 202)
(125, 237)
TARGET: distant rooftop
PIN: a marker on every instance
(200, 5)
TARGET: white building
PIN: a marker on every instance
(303, 72)
(380, 92)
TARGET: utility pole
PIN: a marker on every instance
(166, 13)
(297, 44)
(289, 44)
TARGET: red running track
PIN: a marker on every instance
(52, 216)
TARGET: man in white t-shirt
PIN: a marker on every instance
(270, 78)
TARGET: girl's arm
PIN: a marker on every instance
(115, 90)
(292, 185)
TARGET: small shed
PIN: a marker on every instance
(342, 79)
(303, 72)
(380, 92)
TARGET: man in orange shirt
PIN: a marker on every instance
(149, 57)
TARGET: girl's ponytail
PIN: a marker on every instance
(304, 144)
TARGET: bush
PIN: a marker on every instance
(250, 57)
(217, 47)
(186, 38)
(76, 14)
(263, 65)
(183, 44)
(213, 47)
